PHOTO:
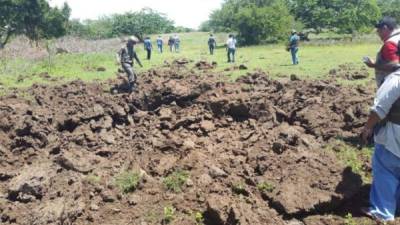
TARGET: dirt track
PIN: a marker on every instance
(230, 137)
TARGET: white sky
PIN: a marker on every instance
(187, 13)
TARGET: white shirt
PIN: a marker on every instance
(231, 43)
(387, 94)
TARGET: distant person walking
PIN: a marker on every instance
(177, 43)
(171, 43)
(211, 44)
(293, 47)
(160, 44)
(125, 57)
(231, 48)
(148, 47)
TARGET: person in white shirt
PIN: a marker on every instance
(385, 188)
(231, 48)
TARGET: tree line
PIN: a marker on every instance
(258, 21)
(36, 19)
(254, 21)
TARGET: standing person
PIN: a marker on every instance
(385, 188)
(177, 43)
(231, 48)
(160, 44)
(387, 58)
(293, 47)
(171, 43)
(148, 47)
(125, 57)
(211, 44)
(384, 124)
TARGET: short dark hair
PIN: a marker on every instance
(230, 35)
(387, 21)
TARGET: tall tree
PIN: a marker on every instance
(347, 16)
(255, 21)
(33, 18)
(390, 8)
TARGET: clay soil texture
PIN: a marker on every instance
(187, 147)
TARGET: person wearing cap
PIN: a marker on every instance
(231, 48)
(387, 59)
(293, 47)
(148, 47)
(211, 44)
(384, 124)
(125, 57)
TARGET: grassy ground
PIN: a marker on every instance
(315, 60)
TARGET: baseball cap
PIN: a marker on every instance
(387, 21)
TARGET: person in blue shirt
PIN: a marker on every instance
(148, 47)
(160, 44)
(293, 47)
(177, 43)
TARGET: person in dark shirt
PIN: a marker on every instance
(171, 43)
(211, 44)
(125, 56)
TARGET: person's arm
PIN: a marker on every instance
(118, 56)
(389, 54)
(386, 95)
(137, 59)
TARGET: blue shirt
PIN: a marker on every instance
(294, 41)
(147, 44)
(159, 41)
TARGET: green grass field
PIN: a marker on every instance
(315, 60)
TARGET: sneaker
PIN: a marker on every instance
(367, 212)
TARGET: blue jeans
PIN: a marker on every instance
(385, 188)
(295, 59)
(160, 48)
(231, 52)
(177, 46)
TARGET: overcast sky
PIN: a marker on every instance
(187, 13)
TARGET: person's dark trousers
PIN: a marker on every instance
(211, 49)
(160, 48)
(231, 54)
(128, 68)
(171, 48)
(148, 54)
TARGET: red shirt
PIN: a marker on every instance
(389, 52)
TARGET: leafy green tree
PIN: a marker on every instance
(146, 21)
(390, 8)
(205, 26)
(255, 21)
(33, 18)
(9, 20)
(346, 16)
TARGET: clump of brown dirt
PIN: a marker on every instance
(251, 149)
(348, 72)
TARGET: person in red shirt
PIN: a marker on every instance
(388, 58)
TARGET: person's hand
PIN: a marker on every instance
(369, 62)
(365, 134)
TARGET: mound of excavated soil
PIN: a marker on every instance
(252, 150)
